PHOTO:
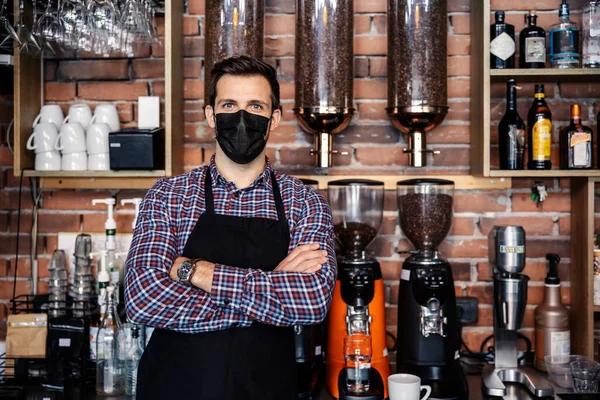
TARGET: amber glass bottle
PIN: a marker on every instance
(539, 132)
(576, 143)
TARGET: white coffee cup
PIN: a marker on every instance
(96, 138)
(99, 162)
(407, 387)
(74, 161)
(79, 113)
(50, 114)
(71, 138)
(43, 138)
(48, 161)
(107, 114)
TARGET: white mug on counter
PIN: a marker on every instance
(48, 161)
(43, 138)
(50, 114)
(79, 113)
(71, 138)
(99, 162)
(97, 138)
(74, 161)
(407, 387)
(107, 114)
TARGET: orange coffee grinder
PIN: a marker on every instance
(358, 306)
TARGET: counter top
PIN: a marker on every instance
(515, 392)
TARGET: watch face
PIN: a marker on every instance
(183, 272)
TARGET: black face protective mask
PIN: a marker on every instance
(241, 135)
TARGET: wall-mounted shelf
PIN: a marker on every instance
(541, 72)
(27, 103)
(461, 182)
(549, 173)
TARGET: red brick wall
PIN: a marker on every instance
(374, 145)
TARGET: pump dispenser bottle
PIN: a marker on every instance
(114, 264)
(552, 334)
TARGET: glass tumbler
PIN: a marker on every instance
(357, 350)
(585, 376)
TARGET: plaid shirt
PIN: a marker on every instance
(239, 296)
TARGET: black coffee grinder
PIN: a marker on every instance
(428, 342)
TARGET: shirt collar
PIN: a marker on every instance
(264, 178)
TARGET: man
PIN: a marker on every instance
(226, 258)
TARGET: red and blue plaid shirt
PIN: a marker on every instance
(239, 296)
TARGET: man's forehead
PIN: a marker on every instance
(255, 87)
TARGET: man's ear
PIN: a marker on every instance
(275, 119)
(209, 113)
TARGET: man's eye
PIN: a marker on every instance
(257, 106)
(228, 105)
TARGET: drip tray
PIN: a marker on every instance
(579, 396)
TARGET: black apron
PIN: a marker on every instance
(253, 363)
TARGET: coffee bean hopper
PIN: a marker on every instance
(358, 306)
(428, 342)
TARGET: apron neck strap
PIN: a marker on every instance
(209, 198)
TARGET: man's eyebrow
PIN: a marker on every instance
(226, 101)
(263, 103)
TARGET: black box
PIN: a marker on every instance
(140, 149)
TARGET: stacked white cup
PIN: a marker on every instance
(80, 137)
(43, 138)
(105, 120)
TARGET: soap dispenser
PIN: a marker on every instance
(552, 333)
(115, 264)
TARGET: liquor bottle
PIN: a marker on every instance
(134, 355)
(539, 132)
(564, 40)
(502, 45)
(511, 132)
(576, 143)
(591, 34)
(533, 44)
(110, 372)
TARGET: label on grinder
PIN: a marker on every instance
(405, 275)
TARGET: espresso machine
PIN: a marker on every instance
(428, 342)
(358, 305)
(507, 255)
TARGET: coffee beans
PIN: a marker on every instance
(354, 236)
(324, 53)
(417, 34)
(233, 28)
(425, 219)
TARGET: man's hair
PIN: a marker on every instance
(244, 66)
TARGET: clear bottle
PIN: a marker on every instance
(134, 354)
(564, 40)
(591, 34)
(110, 373)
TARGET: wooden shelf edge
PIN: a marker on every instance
(546, 72)
(596, 308)
(95, 174)
(461, 182)
(98, 183)
(594, 173)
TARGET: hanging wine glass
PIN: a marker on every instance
(8, 35)
(29, 45)
(72, 16)
(45, 29)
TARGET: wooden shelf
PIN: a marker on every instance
(95, 174)
(546, 72)
(461, 182)
(596, 308)
(550, 173)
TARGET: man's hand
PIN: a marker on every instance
(305, 258)
(202, 277)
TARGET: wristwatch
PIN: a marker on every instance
(186, 271)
